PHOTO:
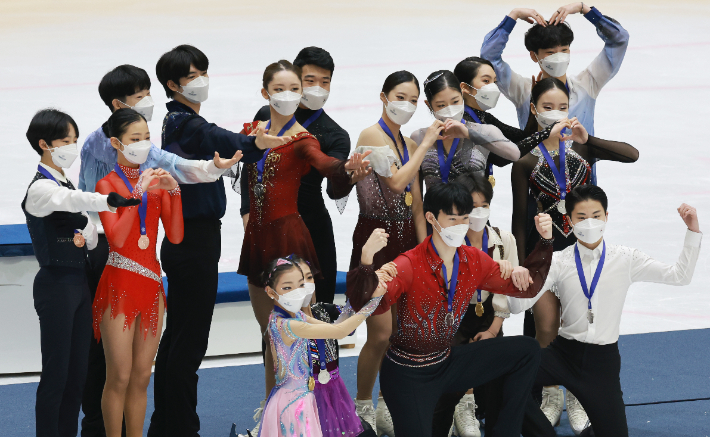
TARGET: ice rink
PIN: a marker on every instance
(55, 53)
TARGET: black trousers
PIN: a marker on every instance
(591, 372)
(191, 267)
(412, 393)
(63, 304)
(92, 425)
(321, 228)
(489, 396)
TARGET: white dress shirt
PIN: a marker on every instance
(510, 253)
(622, 267)
(45, 197)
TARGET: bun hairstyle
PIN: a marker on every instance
(276, 268)
(119, 121)
(399, 77)
(537, 91)
(439, 81)
(467, 69)
(272, 69)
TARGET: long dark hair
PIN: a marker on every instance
(439, 81)
(119, 121)
(538, 90)
(397, 78)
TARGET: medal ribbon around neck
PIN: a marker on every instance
(262, 161)
(78, 237)
(589, 292)
(403, 159)
(323, 375)
(143, 208)
(484, 249)
(475, 118)
(561, 174)
(312, 118)
(450, 285)
(445, 164)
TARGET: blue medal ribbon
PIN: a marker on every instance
(450, 285)
(312, 118)
(403, 159)
(260, 164)
(445, 164)
(320, 343)
(143, 208)
(589, 292)
(560, 175)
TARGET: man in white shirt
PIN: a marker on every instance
(591, 279)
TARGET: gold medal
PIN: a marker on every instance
(143, 242)
(408, 198)
(79, 240)
(479, 309)
(492, 180)
(311, 383)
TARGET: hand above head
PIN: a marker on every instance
(529, 15)
(535, 79)
(689, 216)
(561, 14)
(579, 133)
(227, 163)
(264, 141)
(376, 242)
(115, 200)
(521, 278)
(506, 268)
(433, 133)
(165, 181)
(543, 223)
(455, 129)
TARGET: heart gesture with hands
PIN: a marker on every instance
(579, 133)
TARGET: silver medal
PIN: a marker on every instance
(449, 319)
(590, 316)
(323, 376)
(561, 206)
(259, 190)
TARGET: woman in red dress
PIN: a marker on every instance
(275, 228)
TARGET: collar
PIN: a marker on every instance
(58, 176)
(175, 106)
(433, 259)
(131, 173)
(493, 238)
(584, 252)
(283, 312)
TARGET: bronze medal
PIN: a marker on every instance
(492, 180)
(479, 309)
(79, 240)
(143, 242)
(408, 198)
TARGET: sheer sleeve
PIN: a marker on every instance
(525, 145)
(519, 179)
(117, 226)
(491, 138)
(362, 281)
(596, 149)
(308, 149)
(171, 215)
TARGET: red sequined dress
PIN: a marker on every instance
(275, 228)
(131, 282)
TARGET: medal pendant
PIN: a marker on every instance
(79, 240)
(479, 309)
(449, 319)
(408, 198)
(323, 376)
(590, 316)
(259, 190)
(492, 180)
(561, 207)
(143, 242)
(311, 383)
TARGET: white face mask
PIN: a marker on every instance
(285, 102)
(478, 218)
(400, 112)
(64, 156)
(590, 230)
(555, 65)
(144, 107)
(314, 97)
(293, 301)
(454, 112)
(310, 288)
(548, 118)
(453, 236)
(136, 153)
(197, 89)
(487, 96)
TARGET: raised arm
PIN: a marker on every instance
(45, 197)
(519, 180)
(314, 329)
(595, 149)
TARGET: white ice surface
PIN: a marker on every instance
(54, 54)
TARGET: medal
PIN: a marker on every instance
(403, 157)
(311, 383)
(561, 207)
(589, 292)
(560, 175)
(79, 239)
(590, 316)
(323, 376)
(484, 248)
(259, 190)
(492, 180)
(449, 319)
(143, 242)
(450, 286)
(408, 198)
(479, 309)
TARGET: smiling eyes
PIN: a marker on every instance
(456, 101)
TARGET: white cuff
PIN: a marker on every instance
(215, 171)
(693, 239)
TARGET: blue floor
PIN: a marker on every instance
(658, 367)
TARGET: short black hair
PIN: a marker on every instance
(398, 77)
(467, 69)
(443, 197)
(439, 81)
(546, 37)
(119, 121)
(476, 183)
(175, 64)
(121, 82)
(49, 125)
(315, 56)
(582, 193)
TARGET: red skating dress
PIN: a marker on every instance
(275, 228)
(131, 282)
